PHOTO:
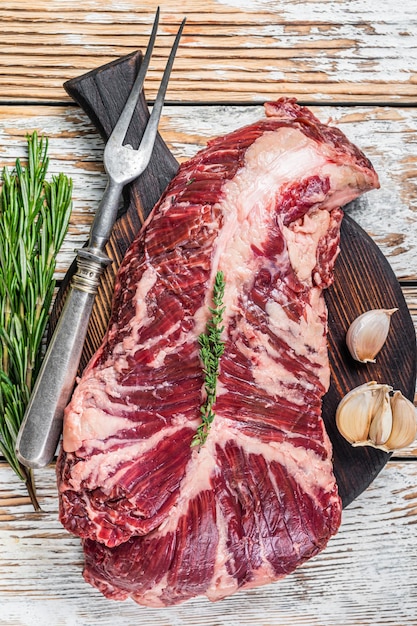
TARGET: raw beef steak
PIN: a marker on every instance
(163, 521)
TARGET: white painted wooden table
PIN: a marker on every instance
(354, 62)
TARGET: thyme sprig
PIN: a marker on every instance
(34, 217)
(211, 350)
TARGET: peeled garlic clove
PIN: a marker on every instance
(404, 422)
(356, 411)
(368, 333)
(381, 423)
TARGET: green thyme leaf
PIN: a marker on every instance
(211, 350)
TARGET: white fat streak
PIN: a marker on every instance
(199, 472)
(96, 469)
(90, 417)
(302, 239)
(160, 355)
(301, 463)
(198, 476)
(222, 584)
(141, 318)
(95, 425)
(270, 376)
(83, 420)
(268, 371)
(130, 344)
(310, 329)
(248, 203)
(152, 597)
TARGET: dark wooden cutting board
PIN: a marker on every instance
(363, 277)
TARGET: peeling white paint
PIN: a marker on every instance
(275, 74)
(328, 12)
(97, 18)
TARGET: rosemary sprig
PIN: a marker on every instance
(211, 349)
(34, 217)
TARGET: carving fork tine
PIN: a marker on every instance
(139, 159)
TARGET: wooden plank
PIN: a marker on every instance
(367, 574)
(387, 135)
(313, 50)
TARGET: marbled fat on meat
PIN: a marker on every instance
(162, 521)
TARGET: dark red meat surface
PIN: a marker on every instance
(162, 521)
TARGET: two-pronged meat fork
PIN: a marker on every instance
(41, 428)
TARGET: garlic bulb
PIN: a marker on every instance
(370, 416)
(368, 333)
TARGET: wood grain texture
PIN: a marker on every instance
(231, 51)
(366, 576)
(387, 135)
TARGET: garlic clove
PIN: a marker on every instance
(381, 423)
(404, 422)
(367, 334)
(357, 409)
(370, 416)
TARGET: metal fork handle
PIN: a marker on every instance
(42, 424)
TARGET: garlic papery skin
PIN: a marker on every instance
(368, 333)
(358, 408)
(404, 423)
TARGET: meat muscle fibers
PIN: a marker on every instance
(161, 520)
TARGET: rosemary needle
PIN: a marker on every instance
(34, 217)
(211, 349)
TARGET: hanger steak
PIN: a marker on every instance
(163, 520)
